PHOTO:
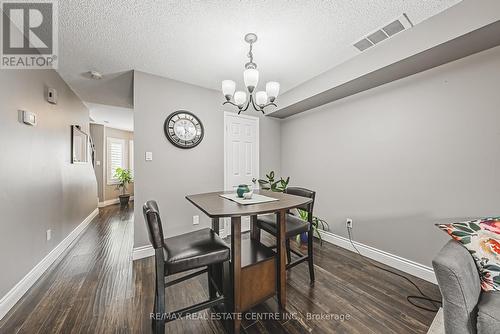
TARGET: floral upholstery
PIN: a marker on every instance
(482, 239)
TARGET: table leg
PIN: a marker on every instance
(215, 225)
(280, 243)
(236, 271)
(254, 230)
(215, 271)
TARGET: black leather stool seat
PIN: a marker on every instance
(193, 250)
(294, 225)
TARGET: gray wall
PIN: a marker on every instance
(175, 173)
(404, 156)
(40, 189)
(97, 134)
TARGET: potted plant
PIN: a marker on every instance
(274, 185)
(280, 186)
(317, 224)
(124, 177)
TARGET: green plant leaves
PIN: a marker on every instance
(124, 176)
(303, 214)
(270, 184)
(318, 221)
(315, 230)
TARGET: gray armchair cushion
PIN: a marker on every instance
(488, 315)
(460, 287)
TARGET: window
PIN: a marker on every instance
(115, 158)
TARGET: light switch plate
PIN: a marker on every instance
(149, 156)
(49, 234)
(29, 117)
(196, 220)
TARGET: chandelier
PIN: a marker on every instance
(259, 100)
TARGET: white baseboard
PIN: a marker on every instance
(13, 296)
(111, 202)
(408, 266)
(142, 252)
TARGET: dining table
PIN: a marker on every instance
(256, 272)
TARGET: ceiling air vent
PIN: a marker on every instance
(381, 34)
(363, 44)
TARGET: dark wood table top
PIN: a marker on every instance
(216, 206)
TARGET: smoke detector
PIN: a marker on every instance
(391, 29)
(94, 75)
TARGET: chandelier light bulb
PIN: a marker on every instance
(251, 78)
(240, 97)
(272, 90)
(261, 98)
(228, 88)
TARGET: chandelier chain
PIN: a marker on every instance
(250, 54)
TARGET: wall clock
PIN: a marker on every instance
(183, 129)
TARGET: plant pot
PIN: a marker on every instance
(124, 199)
(303, 238)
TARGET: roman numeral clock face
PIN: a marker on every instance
(183, 129)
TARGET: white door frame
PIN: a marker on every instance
(257, 146)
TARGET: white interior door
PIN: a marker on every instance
(241, 154)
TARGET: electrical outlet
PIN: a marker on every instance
(49, 234)
(196, 220)
(348, 223)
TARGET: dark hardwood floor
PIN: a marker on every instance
(96, 288)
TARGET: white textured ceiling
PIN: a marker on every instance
(201, 42)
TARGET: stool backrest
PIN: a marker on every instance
(298, 191)
(153, 223)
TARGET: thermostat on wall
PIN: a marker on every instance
(29, 117)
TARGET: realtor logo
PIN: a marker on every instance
(29, 35)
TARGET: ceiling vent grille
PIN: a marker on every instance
(381, 34)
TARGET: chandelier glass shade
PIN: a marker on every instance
(258, 99)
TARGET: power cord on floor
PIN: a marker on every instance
(422, 297)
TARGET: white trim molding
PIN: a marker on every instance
(111, 202)
(408, 266)
(142, 252)
(12, 297)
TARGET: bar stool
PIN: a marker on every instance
(294, 227)
(198, 249)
